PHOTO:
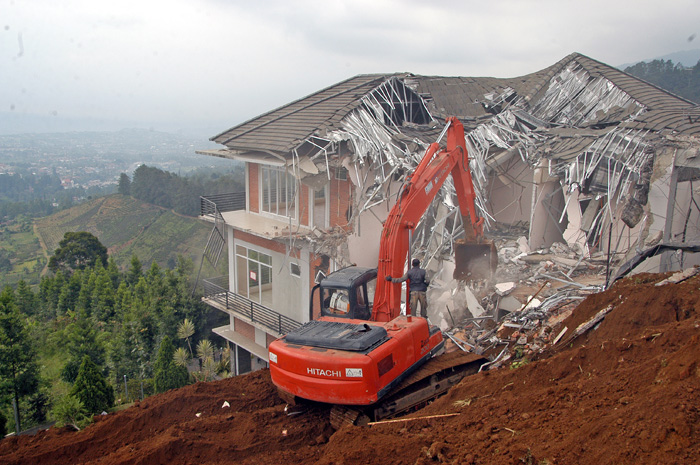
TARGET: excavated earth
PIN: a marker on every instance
(626, 392)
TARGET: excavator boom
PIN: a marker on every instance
(417, 194)
(357, 353)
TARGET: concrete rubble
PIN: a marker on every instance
(519, 314)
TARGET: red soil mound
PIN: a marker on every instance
(626, 392)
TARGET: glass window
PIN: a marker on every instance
(336, 301)
(254, 275)
(371, 287)
(278, 191)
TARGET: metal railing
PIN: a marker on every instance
(208, 204)
(215, 289)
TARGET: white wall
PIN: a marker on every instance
(509, 194)
(363, 244)
(290, 295)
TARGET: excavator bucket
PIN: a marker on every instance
(475, 260)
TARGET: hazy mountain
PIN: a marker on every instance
(687, 58)
(13, 122)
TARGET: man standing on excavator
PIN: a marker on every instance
(417, 285)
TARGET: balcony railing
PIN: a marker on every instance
(214, 290)
(233, 201)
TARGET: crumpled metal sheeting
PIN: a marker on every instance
(575, 98)
(620, 156)
(376, 149)
(502, 132)
(392, 94)
(369, 138)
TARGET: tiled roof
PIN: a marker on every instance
(665, 111)
(281, 130)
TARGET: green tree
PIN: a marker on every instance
(91, 388)
(103, 296)
(113, 272)
(124, 184)
(81, 341)
(135, 271)
(675, 78)
(124, 351)
(5, 260)
(25, 299)
(39, 404)
(69, 410)
(77, 251)
(69, 294)
(19, 372)
(49, 294)
(185, 330)
(166, 373)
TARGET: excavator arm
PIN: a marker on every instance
(418, 192)
(356, 359)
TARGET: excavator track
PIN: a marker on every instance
(430, 381)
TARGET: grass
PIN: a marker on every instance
(124, 225)
(27, 256)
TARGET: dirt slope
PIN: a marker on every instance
(627, 392)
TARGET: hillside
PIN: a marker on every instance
(626, 392)
(127, 226)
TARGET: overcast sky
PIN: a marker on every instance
(203, 66)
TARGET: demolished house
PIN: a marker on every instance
(577, 167)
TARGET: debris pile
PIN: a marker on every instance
(521, 314)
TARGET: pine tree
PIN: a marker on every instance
(91, 388)
(103, 296)
(82, 341)
(168, 375)
(135, 271)
(113, 272)
(124, 347)
(68, 296)
(124, 184)
(25, 299)
(19, 372)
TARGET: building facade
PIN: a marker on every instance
(578, 153)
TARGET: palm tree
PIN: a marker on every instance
(185, 330)
(205, 349)
(181, 357)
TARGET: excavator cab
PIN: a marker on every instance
(347, 293)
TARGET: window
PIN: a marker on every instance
(336, 301)
(277, 191)
(320, 207)
(295, 269)
(341, 174)
(254, 275)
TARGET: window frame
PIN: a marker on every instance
(263, 276)
(277, 181)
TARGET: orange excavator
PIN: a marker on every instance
(361, 354)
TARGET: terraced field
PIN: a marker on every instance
(27, 257)
(127, 226)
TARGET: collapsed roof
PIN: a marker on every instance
(602, 136)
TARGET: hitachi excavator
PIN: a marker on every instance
(361, 354)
